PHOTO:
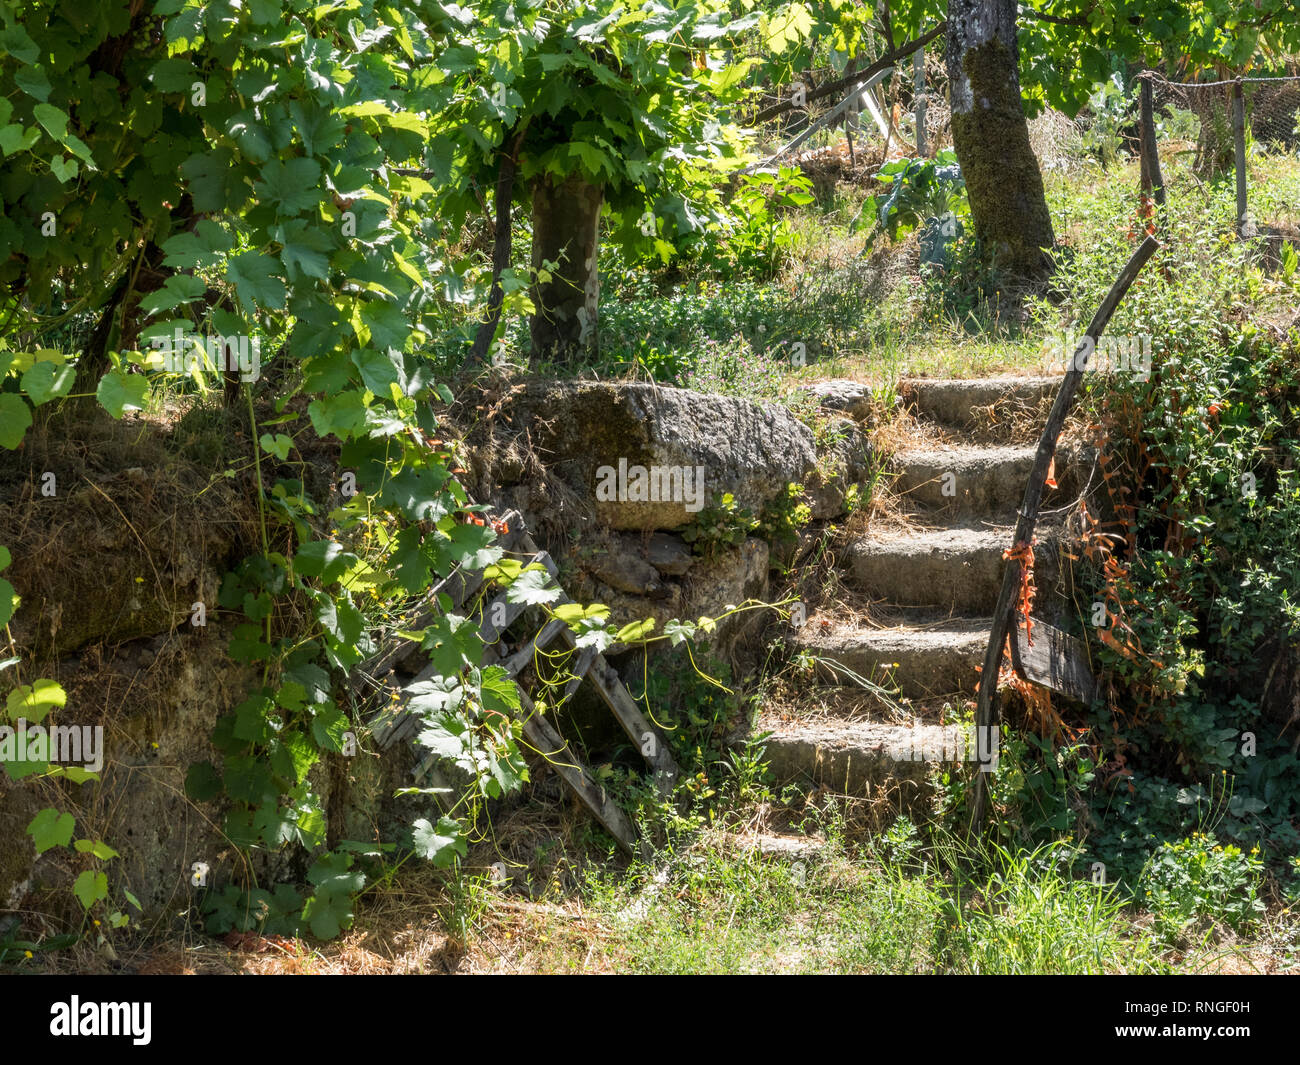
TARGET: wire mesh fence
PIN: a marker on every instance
(1228, 118)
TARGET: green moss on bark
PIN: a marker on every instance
(1002, 176)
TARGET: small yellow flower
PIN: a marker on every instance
(27, 954)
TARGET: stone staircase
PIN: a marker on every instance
(931, 584)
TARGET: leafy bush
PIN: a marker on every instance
(1199, 877)
(723, 523)
(925, 193)
(760, 234)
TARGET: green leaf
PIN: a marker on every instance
(325, 559)
(119, 392)
(96, 847)
(176, 74)
(16, 41)
(33, 702)
(90, 887)
(533, 586)
(45, 381)
(52, 120)
(277, 445)
(15, 419)
(340, 619)
(14, 138)
(50, 829)
(176, 290)
(33, 82)
(64, 169)
(499, 691)
(388, 325)
(202, 782)
(441, 844)
(201, 249)
(340, 414)
(328, 727)
(253, 275)
(292, 185)
(452, 643)
(8, 604)
(637, 630)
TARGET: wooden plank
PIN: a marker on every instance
(580, 668)
(560, 757)
(1056, 661)
(459, 586)
(839, 84)
(521, 658)
(620, 702)
(863, 91)
(491, 629)
(919, 102)
(638, 728)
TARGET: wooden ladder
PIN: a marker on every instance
(391, 725)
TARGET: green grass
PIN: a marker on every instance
(724, 910)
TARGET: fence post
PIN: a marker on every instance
(1239, 138)
(920, 103)
(1152, 180)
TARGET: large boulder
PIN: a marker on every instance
(649, 457)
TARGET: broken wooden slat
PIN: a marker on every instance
(555, 749)
(1055, 660)
(639, 730)
(585, 658)
(517, 661)
(390, 724)
(616, 697)
(506, 612)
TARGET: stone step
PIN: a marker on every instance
(985, 481)
(952, 570)
(962, 403)
(864, 758)
(927, 662)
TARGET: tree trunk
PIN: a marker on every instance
(502, 248)
(991, 137)
(565, 224)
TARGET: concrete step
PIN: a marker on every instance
(864, 758)
(954, 570)
(921, 662)
(964, 480)
(964, 403)
(985, 481)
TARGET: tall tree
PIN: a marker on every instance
(991, 137)
(596, 113)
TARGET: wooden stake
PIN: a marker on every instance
(919, 103)
(1152, 181)
(1239, 138)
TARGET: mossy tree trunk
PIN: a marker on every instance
(566, 218)
(991, 137)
